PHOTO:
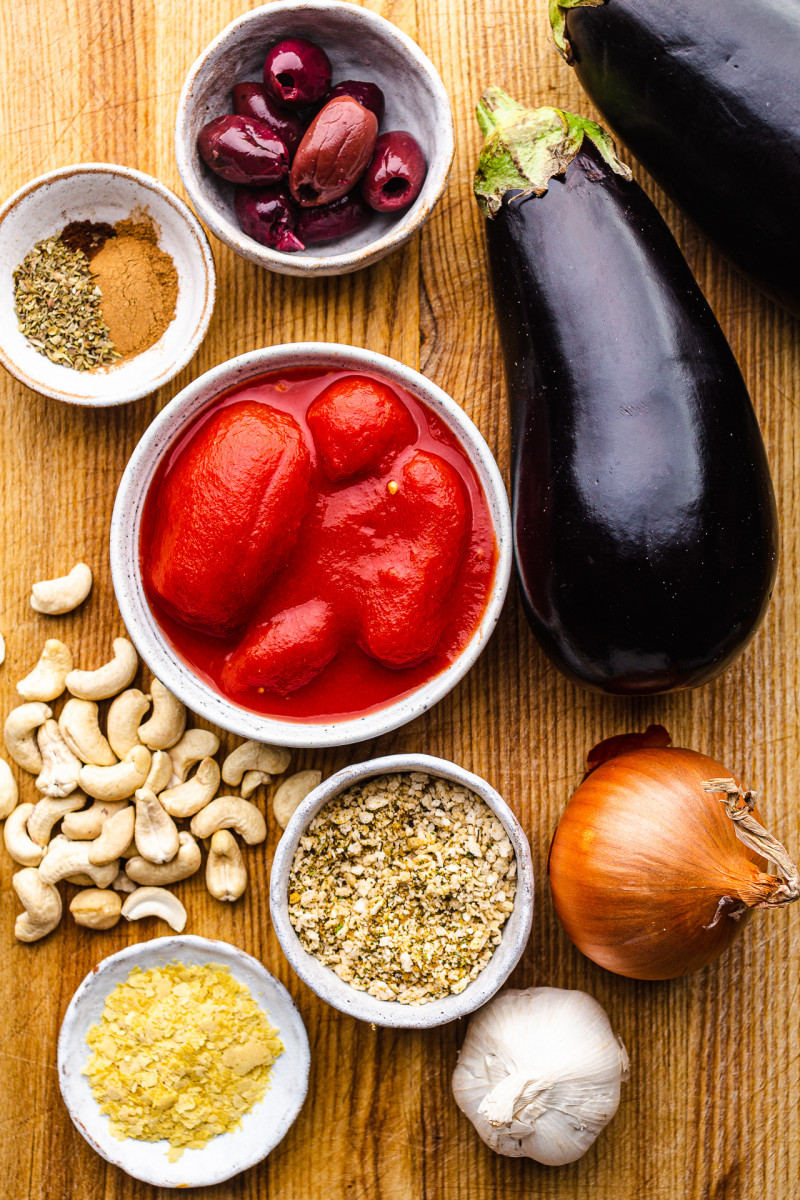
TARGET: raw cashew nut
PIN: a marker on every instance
(65, 858)
(80, 880)
(155, 832)
(118, 782)
(96, 908)
(86, 825)
(231, 812)
(185, 863)
(167, 722)
(47, 680)
(195, 745)
(123, 884)
(155, 902)
(48, 812)
(258, 760)
(60, 768)
(160, 772)
(109, 679)
(19, 844)
(80, 730)
(290, 793)
(20, 734)
(54, 596)
(124, 718)
(226, 874)
(114, 838)
(186, 799)
(9, 791)
(42, 905)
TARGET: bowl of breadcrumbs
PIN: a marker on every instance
(402, 891)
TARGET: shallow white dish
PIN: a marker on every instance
(361, 45)
(105, 192)
(324, 981)
(224, 1156)
(126, 524)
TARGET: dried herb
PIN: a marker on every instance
(57, 302)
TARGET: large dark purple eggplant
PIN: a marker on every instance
(644, 516)
(706, 94)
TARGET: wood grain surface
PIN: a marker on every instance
(711, 1109)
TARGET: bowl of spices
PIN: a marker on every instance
(182, 1061)
(402, 891)
(107, 284)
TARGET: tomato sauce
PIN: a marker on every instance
(334, 555)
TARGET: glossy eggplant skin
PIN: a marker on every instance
(644, 516)
(705, 94)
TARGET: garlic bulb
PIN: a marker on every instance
(539, 1074)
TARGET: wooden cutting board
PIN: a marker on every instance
(711, 1110)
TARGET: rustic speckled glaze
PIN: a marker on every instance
(324, 981)
(105, 192)
(360, 45)
(224, 1156)
(126, 522)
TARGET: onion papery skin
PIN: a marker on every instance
(641, 861)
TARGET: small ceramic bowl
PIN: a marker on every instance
(324, 981)
(127, 519)
(104, 192)
(229, 1153)
(360, 45)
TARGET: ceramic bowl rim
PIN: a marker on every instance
(182, 943)
(196, 230)
(359, 1004)
(314, 265)
(126, 520)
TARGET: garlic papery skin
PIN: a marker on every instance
(539, 1074)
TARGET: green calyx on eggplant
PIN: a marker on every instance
(644, 517)
(705, 95)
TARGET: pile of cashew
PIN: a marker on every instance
(120, 792)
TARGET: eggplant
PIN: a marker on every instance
(644, 517)
(705, 94)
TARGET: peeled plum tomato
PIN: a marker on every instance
(358, 425)
(243, 150)
(227, 515)
(352, 683)
(379, 566)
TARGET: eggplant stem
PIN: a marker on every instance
(558, 23)
(739, 806)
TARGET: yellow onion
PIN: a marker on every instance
(659, 859)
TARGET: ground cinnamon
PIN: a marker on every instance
(138, 284)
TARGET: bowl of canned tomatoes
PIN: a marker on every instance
(311, 545)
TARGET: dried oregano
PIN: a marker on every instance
(57, 302)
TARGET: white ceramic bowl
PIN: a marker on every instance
(360, 45)
(104, 192)
(229, 1153)
(126, 523)
(324, 981)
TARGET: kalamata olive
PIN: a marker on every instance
(395, 174)
(252, 100)
(368, 94)
(269, 216)
(326, 222)
(243, 150)
(297, 72)
(334, 152)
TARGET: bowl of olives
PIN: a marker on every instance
(313, 137)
